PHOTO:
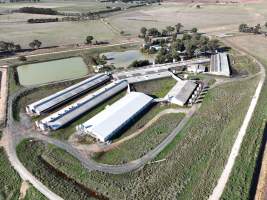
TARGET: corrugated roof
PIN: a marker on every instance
(71, 112)
(182, 91)
(104, 124)
(68, 93)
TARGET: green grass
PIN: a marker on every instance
(9, 179)
(157, 88)
(241, 180)
(30, 153)
(242, 65)
(194, 160)
(145, 118)
(32, 194)
(141, 144)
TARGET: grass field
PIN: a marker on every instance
(210, 18)
(242, 65)
(241, 184)
(9, 179)
(157, 88)
(140, 145)
(32, 194)
(194, 160)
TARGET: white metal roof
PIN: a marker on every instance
(67, 93)
(104, 124)
(181, 92)
(220, 64)
(72, 111)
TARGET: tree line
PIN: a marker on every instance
(42, 20)
(11, 47)
(34, 10)
(188, 45)
(251, 29)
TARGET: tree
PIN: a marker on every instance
(178, 27)
(153, 32)
(147, 39)
(143, 31)
(22, 58)
(164, 32)
(194, 30)
(243, 27)
(170, 29)
(265, 24)
(89, 39)
(257, 29)
(35, 44)
(213, 45)
(174, 36)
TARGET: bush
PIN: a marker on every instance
(139, 63)
(33, 10)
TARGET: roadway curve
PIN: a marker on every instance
(16, 132)
(219, 188)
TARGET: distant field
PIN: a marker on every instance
(50, 34)
(207, 18)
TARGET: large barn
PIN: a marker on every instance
(110, 121)
(63, 96)
(74, 110)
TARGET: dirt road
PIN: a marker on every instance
(218, 190)
(3, 93)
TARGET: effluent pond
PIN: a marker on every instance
(56, 70)
(125, 58)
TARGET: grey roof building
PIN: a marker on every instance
(63, 96)
(73, 111)
(107, 123)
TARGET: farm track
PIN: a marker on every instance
(69, 51)
(219, 188)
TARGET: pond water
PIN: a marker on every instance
(125, 58)
(56, 70)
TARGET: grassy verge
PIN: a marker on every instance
(56, 181)
(193, 162)
(9, 179)
(144, 119)
(243, 180)
(157, 88)
(32, 194)
(140, 145)
(242, 64)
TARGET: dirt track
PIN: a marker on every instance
(3, 93)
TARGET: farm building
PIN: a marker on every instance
(143, 74)
(181, 92)
(156, 71)
(219, 65)
(196, 68)
(73, 111)
(110, 121)
(63, 96)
